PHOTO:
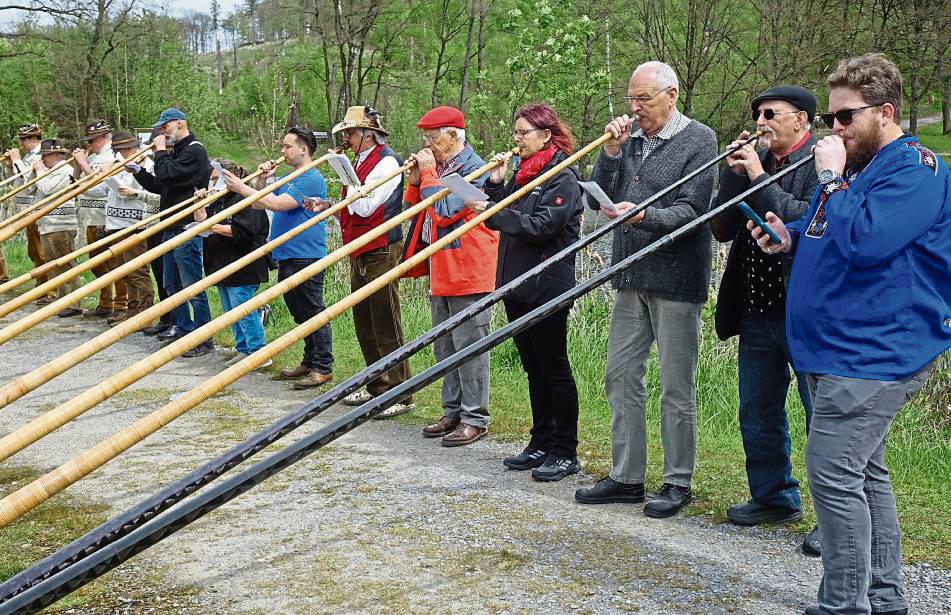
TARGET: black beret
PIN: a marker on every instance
(799, 97)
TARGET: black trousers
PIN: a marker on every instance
(543, 349)
(304, 302)
(159, 272)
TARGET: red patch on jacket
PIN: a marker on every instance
(559, 200)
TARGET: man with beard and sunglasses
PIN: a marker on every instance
(752, 300)
(868, 311)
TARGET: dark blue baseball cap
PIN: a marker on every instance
(169, 115)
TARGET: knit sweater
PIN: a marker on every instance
(92, 202)
(63, 218)
(681, 270)
(121, 211)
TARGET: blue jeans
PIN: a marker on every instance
(764, 380)
(183, 267)
(248, 332)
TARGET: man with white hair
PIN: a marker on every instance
(459, 274)
(658, 298)
(91, 213)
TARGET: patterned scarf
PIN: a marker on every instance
(534, 164)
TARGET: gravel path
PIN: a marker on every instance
(386, 521)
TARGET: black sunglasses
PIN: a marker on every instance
(770, 114)
(844, 116)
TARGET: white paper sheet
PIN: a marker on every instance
(595, 191)
(463, 189)
(342, 166)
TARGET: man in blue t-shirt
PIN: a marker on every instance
(306, 300)
(868, 309)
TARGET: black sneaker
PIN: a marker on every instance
(556, 468)
(161, 327)
(199, 350)
(668, 502)
(811, 545)
(609, 491)
(526, 460)
(751, 513)
(814, 610)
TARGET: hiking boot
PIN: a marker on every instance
(751, 513)
(668, 502)
(298, 372)
(396, 409)
(237, 358)
(161, 327)
(357, 398)
(556, 468)
(119, 317)
(609, 491)
(811, 545)
(200, 350)
(69, 313)
(172, 333)
(442, 427)
(100, 312)
(464, 434)
(526, 460)
(312, 380)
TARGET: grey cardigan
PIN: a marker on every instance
(681, 270)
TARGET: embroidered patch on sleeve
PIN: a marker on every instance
(925, 156)
(559, 200)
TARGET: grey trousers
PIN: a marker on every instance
(637, 321)
(465, 390)
(852, 493)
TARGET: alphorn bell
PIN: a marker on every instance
(42, 208)
(189, 206)
(16, 504)
(16, 328)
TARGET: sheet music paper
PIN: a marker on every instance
(463, 189)
(595, 191)
(342, 166)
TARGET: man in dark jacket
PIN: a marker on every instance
(752, 299)
(178, 173)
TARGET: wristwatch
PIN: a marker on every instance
(827, 176)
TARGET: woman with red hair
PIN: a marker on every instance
(532, 229)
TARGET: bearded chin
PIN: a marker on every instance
(863, 147)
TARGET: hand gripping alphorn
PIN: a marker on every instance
(174, 214)
(34, 206)
(24, 500)
(26, 383)
(101, 243)
(16, 328)
(48, 204)
(130, 520)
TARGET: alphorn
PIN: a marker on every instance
(111, 238)
(16, 328)
(42, 208)
(28, 184)
(25, 499)
(43, 374)
(40, 290)
(174, 214)
(13, 178)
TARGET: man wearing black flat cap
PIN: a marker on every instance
(752, 299)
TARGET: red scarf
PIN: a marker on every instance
(534, 164)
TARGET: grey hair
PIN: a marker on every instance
(665, 76)
(378, 137)
(460, 133)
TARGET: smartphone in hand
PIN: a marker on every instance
(752, 215)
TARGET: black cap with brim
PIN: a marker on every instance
(801, 98)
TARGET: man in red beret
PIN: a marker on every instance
(460, 274)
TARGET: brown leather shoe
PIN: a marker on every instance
(440, 428)
(298, 372)
(100, 312)
(464, 434)
(312, 380)
(119, 317)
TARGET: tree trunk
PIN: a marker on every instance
(913, 103)
(946, 103)
(221, 84)
(467, 58)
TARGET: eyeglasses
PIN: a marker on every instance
(770, 114)
(432, 138)
(643, 100)
(845, 116)
(520, 134)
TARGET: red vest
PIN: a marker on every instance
(353, 226)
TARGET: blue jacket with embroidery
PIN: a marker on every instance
(870, 289)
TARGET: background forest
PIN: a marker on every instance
(246, 75)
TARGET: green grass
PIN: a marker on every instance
(919, 452)
(931, 137)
